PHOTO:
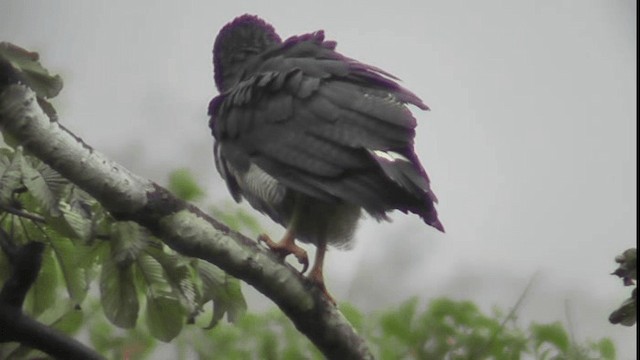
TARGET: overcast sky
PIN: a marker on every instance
(530, 143)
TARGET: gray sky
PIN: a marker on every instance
(530, 143)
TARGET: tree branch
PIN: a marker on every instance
(26, 262)
(180, 225)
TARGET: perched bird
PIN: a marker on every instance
(311, 137)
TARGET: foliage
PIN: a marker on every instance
(449, 329)
(445, 329)
(138, 278)
(30, 71)
(184, 186)
(626, 314)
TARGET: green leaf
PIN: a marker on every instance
(212, 279)
(235, 306)
(179, 276)
(73, 216)
(78, 221)
(268, 348)
(43, 292)
(90, 258)
(606, 349)
(184, 186)
(225, 292)
(70, 322)
(74, 275)
(10, 174)
(31, 72)
(248, 221)
(628, 266)
(90, 255)
(353, 315)
(44, 184)
(626, 314)
(128, 239)
(101, 335)
(165, 314)
(5, 267)
(238, 220)
(165, 317)
(553, 334)
(399, 323)
(118, 294)
(151, 275)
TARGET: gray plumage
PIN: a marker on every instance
(310, 137)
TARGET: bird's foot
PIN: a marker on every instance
(285, 247)
(317, 279)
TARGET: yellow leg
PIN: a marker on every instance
(316, 274)
(287, 246)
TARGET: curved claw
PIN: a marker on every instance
(285, 247)
(302, 259)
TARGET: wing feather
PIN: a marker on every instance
(369, 103)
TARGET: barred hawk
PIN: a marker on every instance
(311, 137)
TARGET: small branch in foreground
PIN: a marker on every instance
(18, 327)
(25, 266)
(26, 262)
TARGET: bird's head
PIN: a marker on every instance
(238, 41)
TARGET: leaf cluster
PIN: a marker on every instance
(134, 275)
(449, 329)
(444, 329)
(26, 67)
(626, 314)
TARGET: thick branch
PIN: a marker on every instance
(180, 225)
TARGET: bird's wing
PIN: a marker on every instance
(324, 125)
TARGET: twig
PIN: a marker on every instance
(22, 213)
(567, 313)
(509, 316)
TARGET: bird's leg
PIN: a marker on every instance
(316, 275)
(287, 246)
